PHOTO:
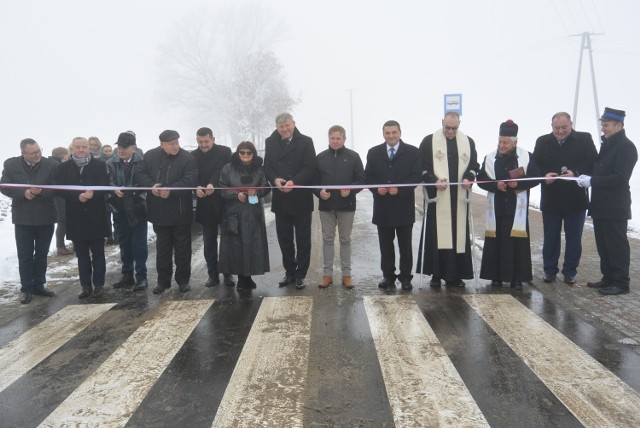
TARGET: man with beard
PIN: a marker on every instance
(448, 155)
(210, 158)
(33, 214)
(170, 211)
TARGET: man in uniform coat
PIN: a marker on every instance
(565, 153)
(610, 206)
(394, 162)
(289, 160)
(210, 158)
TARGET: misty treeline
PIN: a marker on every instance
(220, 67)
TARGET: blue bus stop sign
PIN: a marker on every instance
(453, 102)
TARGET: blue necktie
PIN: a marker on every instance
(392, 152)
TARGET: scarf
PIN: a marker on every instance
(519, 228)
(443, 206)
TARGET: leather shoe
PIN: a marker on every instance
(613, 290)
(141, 284)
(386, 283)
(516, 285)
(456, 283)
(286, 280)
(252, 283)
(326, 281)
(300, 283)
(549, 278)
(159, 289)
(98, 291)
(184, 287)
(86, 292)
(597, 284)
(25, 298)
(126, 281)
(228, 280)
(406, 285)
(569, 279)
(43, 291)
(495, 283)
(435, 282)
(347, 282)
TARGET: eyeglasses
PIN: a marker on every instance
(451, 128)
(245, 152)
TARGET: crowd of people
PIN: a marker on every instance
(158, 187)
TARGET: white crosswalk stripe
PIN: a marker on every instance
(423, 386)
(591, 392)
(27, 351)
(267, 387)
(268, 381)
(112, 393)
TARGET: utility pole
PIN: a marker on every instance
(585, 43)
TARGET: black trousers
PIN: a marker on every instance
(298, 227)
(386, 236)
(613, 248)
(173, 241)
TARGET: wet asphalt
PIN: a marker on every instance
(344, 384)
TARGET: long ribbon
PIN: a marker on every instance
(330, 187)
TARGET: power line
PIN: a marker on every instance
(598, 16)
(559, 16)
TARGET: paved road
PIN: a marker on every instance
(281, 357)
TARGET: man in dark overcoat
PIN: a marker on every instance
(210, 158)
(170, 211)
(394, 162)
(33, 214)
(86, 222)
(290, 160)
(564, 152)
(610, 206)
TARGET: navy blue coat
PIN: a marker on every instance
(578, 154)
(610, 192)
(406, 167)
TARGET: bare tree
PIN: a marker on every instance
(220, 68)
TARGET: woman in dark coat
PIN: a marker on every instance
(243, 246)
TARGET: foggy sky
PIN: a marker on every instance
(80, 68)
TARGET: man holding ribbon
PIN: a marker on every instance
(564, 153)
(170, 210)
(129, 214)
(448, 155)
(33, 214)
(610, 206)
(506, 256)
(388, 164)
(290, 160)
